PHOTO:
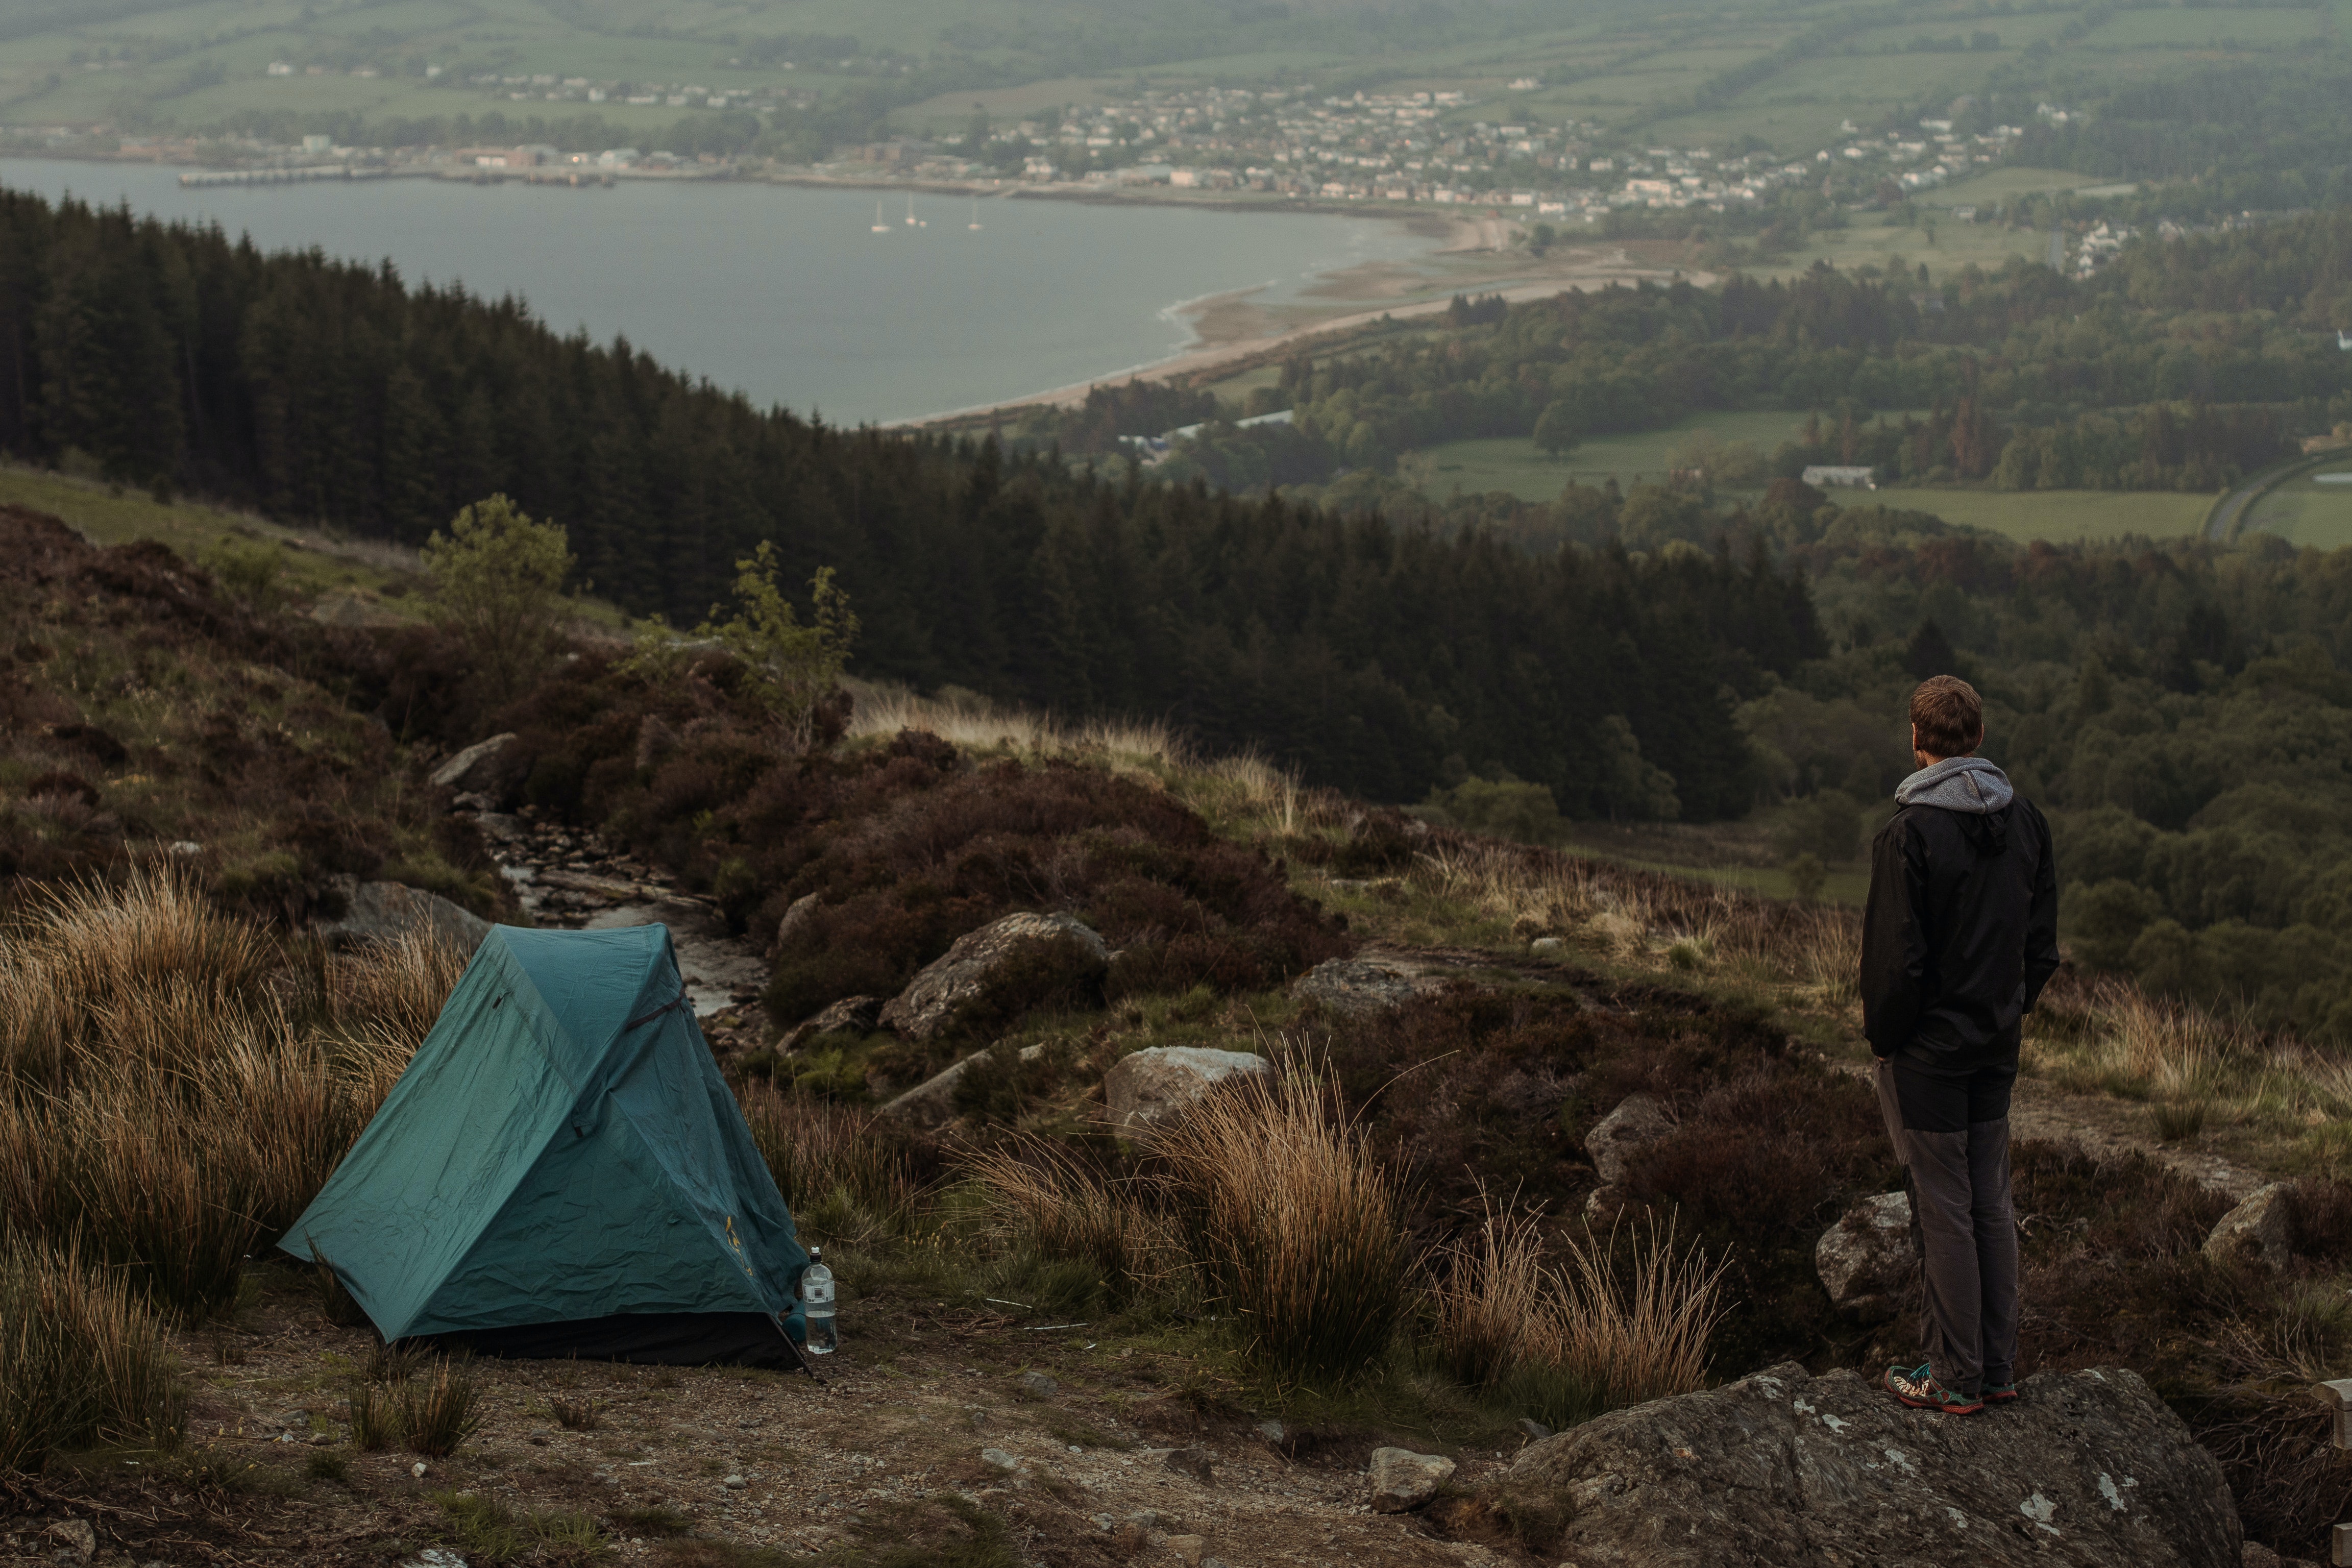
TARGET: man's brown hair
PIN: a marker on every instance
(1948, 716)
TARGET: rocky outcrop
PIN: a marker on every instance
(798, 924)
(997, 972)
(1355, 986)
(491, 769)
(1866, 1258)
(1786, 1469)
(384, 911)
(1403, 1480)
(2259, 1230)
(1150, 1088)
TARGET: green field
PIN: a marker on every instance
(2061, 516)
(1652, 69)
(2307, 512)
(1514, 463)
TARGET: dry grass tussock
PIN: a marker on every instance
(174, 1086)
(843, 1173)
(83, 1360)
(1059, 1207)
(1292, 1221)
(1618, 1321)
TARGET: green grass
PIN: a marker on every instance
(1516, 464)
(2061, 516)
(2305, 512)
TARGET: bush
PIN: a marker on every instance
(81, 1360)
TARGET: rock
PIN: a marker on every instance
(1867, 1256)
(1355, 986)
(77, 1540)
(1639, 1119)
(1403, 1480)
(1038, 1385)
(1535, 1431)
(734, 1483)
(1198, 1463)
(798, 922)
(998, 972)
(1547, 947)
(2256, 1231)
(435, 1557)
(1000, 1458)
(417, 1469)
(1150, 1088)
(385, 911)
(856, 1014)
(2257, 1555)
(491, 767)
(656, 739)
(1271, 1430)
(1188, 1548)
(1798, 1471)
(931, 1103)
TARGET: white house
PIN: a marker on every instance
(1825, 476)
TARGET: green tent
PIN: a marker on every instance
(561, 1170)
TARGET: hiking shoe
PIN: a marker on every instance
(2001, 1394)
(1917, 1387)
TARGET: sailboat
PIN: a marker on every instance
(975, 214)
(912, 221)
(880, 227)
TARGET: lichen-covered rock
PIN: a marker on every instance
(1867, 1255)
(997, 972)
(1639, 1119)
(1402, 1480)
(1359, 984)
(1784, 1469)
(491, 767)
(2258, 1230)
(385, 911)
(1150, 1088)
(799, 922)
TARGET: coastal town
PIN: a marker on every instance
(1287, 145)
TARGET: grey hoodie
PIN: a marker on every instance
(1957, 783)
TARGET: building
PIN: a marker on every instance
(1825, 476)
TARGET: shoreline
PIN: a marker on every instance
(1236, 354)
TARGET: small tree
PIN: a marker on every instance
(792, 669)
(499, 577)
(1556, 430)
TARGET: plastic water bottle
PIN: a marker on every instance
(816, 1299)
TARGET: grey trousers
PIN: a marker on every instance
(1964, 1227)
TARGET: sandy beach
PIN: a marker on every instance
(1236, 334)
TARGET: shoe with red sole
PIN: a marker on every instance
(1917, 1387)
(2001, 1394)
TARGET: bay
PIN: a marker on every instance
(785, 292)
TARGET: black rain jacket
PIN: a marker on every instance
(1960, 933)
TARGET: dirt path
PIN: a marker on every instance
(923, 1405)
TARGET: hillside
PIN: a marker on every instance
(1505, 1001)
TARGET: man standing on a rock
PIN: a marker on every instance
(1960, 934)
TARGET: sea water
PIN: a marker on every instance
(786, 292)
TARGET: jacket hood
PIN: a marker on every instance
(1968, 784)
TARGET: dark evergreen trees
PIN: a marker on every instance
(1367, 655)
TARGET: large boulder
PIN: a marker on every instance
(1866, 1258)
(997, 972)
(491, 768)
(1149, 1089)
(1790, 1470)
(385, 911)
(2258, 1230)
